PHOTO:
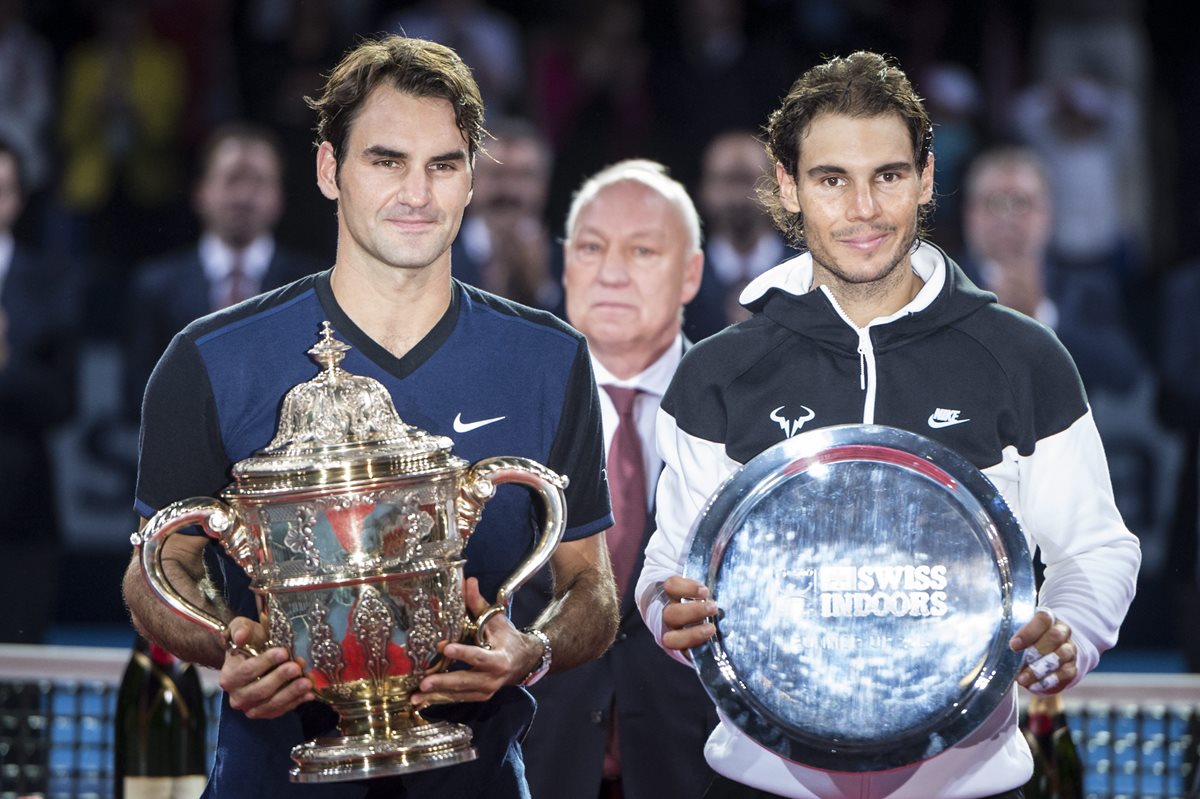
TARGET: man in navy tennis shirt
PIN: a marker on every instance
(400, 124)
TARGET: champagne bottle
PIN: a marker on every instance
(1038, 786)
(1068, 765)
(1048, 726)
(160, 728)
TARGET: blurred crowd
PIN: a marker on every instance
(156, 162)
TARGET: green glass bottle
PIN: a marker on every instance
(1048, 726)
(1068, 765)
(159, 742)
(1038, 786)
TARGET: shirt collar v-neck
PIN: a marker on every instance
(355, 337)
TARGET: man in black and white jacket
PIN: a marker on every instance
(872, 324)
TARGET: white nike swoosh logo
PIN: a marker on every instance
(465, 427)
(934, 423)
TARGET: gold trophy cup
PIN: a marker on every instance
(351, 527)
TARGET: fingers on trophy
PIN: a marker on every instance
(351, 526)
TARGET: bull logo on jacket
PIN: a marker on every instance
(792, 426)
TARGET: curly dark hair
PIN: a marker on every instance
(414, 66)
(862, 84)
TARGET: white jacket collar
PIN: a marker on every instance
(795, 277)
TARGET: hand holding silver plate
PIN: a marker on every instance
(1048, 654)
(870, 582)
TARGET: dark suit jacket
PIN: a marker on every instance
(469, 269)
(37, 387)
(705, 314)
(1179, 408)
(41, 304)
(664, 715)
(171, 291)
(1091, 325)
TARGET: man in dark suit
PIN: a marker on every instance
(504, 245)
(1179, 408)
(634, 722)
(38, 309)
(238, 199)
(741, 242)
(1008, 224)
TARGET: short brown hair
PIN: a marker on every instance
(237, 130)
(1004, 156)
(413, 66)
(862, 84)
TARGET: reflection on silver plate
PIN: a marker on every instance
(869, 580)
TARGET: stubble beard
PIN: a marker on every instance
(406, 253)
(860, 284)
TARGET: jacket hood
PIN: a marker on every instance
(784, 294)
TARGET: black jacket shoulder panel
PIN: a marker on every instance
(1044, 384)
(696, 398)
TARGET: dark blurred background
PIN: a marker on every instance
(108, 103)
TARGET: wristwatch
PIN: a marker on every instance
(539, 671)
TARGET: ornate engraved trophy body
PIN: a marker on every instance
(351, 525)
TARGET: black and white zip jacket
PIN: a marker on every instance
(952, 365)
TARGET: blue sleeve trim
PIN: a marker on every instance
(252, 318)
(583, 531)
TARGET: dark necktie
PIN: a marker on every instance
(237, 282)
(627, 485)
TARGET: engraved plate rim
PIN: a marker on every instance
(719, 521)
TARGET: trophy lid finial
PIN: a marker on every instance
(343, 419)
(328, 352)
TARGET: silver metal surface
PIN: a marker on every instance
(336, 428)
(351, 527)
(868, 580)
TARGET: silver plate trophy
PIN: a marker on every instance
(351, 527)
(868, 580)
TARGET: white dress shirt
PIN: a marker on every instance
(217, 259)
(731, 267)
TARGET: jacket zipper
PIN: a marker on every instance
(866, 359)
(866, 380)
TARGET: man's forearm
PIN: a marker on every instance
(157, 622)
(581, 621)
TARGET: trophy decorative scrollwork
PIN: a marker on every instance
(351, 526)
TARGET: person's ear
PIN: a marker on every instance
(788, 191)
(927, 180)
(327, 169)
(693, 273)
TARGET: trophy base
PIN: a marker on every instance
(419, 748)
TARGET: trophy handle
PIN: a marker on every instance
(481, 481)
(217, 519)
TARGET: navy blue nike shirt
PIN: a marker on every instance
(495, 377)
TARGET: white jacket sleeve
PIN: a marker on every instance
(1092, 559)
(693, 469)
